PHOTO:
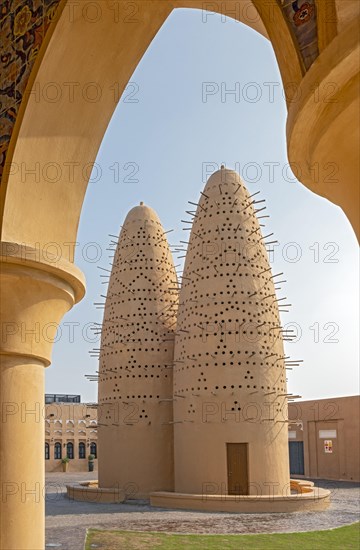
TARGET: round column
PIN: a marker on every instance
(36, 292)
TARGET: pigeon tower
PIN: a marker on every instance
(230, 397)
(136, 357)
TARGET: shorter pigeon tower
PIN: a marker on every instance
(135, 376)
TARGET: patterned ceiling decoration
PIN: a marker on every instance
(23, 24)
(301, 17)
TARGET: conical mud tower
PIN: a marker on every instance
(135, 377)
(230, 404)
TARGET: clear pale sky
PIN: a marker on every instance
(174, 125)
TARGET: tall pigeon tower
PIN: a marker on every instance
(136, 358)
(230, 397)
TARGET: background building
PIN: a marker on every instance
(70, 430)
(324, 438)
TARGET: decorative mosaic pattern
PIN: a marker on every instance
(23, 24)
(301, 17)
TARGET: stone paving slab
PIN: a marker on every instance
(67, 521)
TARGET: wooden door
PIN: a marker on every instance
(237, 468)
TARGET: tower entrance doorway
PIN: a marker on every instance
(237, 468)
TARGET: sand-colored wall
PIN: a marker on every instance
(340, 414)
(346, 11)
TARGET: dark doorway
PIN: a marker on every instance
(237, 467)
(296, 455)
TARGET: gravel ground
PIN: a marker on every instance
(67, 521)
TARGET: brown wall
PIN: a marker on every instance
(70, 422)
(309, 418)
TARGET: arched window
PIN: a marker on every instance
(47, 451)
(57, 450)
(93, 449)
(70, 450)
(82, 450)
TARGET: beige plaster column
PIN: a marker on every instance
(36, 291)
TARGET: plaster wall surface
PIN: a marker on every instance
(347, 11)
(310, 421)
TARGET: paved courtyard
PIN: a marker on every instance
(67, 521)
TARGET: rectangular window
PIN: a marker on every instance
(82, 450)
(57, 451)
(327, 434)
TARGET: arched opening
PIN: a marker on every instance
(82, 450)
(70, 127)
(93, 449)
(69, 121)
(57, 451)
(47, 451)
(70, 450)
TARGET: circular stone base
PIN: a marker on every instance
(304, 497)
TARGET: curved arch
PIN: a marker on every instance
(68, 112)
(331, 125)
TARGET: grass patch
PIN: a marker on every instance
(342, 538)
